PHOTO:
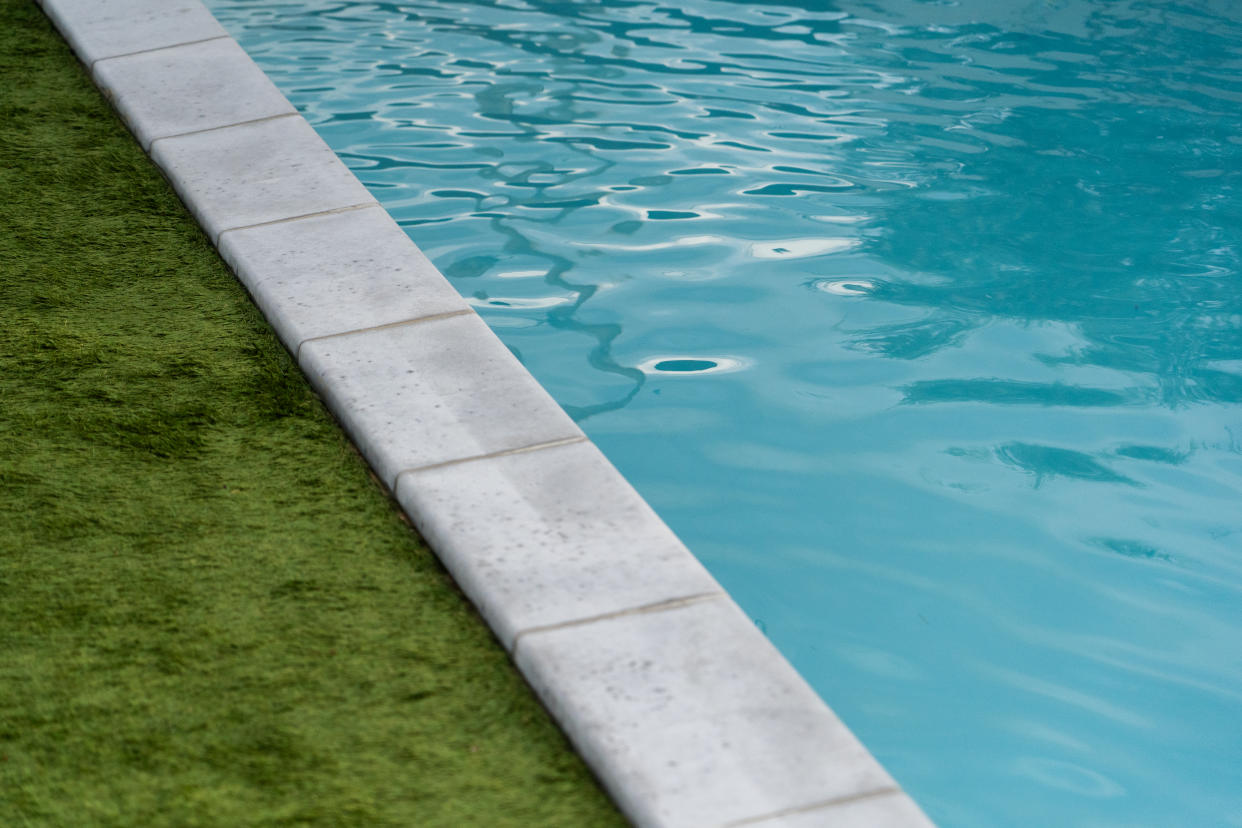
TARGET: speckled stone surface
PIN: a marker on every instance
(106, 28)
(341, 272)
(432, 392)
(186, 88)
(255, 173)
(691, 718)
(565, 537)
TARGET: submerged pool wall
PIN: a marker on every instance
(684, 710)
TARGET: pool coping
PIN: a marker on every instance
(686, 713)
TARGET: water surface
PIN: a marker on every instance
(920, 322)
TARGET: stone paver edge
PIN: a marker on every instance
(685, 712)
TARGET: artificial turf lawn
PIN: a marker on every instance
(209, 613)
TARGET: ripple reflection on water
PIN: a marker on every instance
(1006, 458)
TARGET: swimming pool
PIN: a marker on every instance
(920, 323)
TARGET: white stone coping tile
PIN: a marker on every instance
(99, 29)
(691, 718)
(335, 273)
(257, 172)
(188, 88)
(432, 392)
(886, 809)
(547, 537)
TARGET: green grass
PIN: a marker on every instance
(209, 613)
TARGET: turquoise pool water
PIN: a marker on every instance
(920, 322)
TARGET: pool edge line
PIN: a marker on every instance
(685, 712)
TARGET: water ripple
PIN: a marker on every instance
(920, 321)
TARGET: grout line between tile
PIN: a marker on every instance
(158, 49)
(642, 609)
(224, 126)
(299, 217)
(815, 806)
(416, 320)
(582, 438)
